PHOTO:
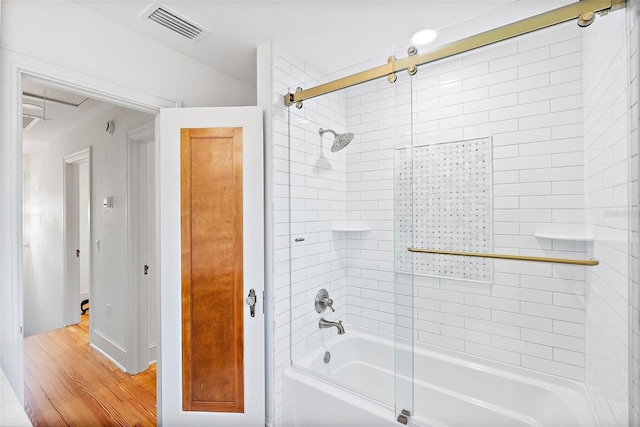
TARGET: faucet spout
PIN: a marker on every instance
(323, 324)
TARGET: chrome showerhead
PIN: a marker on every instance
(340, 140)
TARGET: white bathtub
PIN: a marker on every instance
(358, 388)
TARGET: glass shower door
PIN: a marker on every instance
(404, 332)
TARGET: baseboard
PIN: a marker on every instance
(153, 353)
(111, 349)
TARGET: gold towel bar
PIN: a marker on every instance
(512, 257)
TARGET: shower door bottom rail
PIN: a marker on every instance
(587, 262)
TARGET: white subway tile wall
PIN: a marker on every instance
(527, 96)
(609, 214)
(309, 195)
(634, 168)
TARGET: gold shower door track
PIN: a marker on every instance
(588, 262)
(410, 63)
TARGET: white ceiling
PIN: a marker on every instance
(56, 118)
(329, 35)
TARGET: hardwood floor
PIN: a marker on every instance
(67, 383)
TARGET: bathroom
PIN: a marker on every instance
(525, 148)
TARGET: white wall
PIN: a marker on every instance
(63, 40)
(525, 94)
(43, 280)
(43, 267)
(634, 169)
(67, 34)
(316, 262)
(317, 179)
(609, 213)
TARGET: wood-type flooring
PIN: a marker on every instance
(68, 383)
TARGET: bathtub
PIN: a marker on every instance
(357, 387)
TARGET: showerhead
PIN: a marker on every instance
(340, 140)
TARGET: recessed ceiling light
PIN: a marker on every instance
(424, 36)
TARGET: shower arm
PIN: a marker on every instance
(537, 22)
(323, 131)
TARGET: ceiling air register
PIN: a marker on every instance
(174, 21)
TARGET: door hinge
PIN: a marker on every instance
(146, 269)
(77, 253)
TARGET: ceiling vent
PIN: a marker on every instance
(174, 21)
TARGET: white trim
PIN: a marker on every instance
(71, 288)
(153, 353)
(137, 309)
(14, 67)
(142, 132)
(265, 100)
(79, 156)
(250, 119)
(114, 347)
(67, 79)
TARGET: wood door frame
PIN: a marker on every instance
(138, 312)
(14, 67)
(70, 226)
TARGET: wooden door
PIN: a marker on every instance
(212, 285)
(211, 369)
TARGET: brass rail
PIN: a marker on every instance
(547, 19)
(590, 262)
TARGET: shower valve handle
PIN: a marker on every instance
(323, 301)
(328, 302)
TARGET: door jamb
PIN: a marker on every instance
(17, 67)
(138, 337)
(72, 288)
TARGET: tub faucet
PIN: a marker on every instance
(328, 324)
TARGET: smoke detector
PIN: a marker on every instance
(174, 21)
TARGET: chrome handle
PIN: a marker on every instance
(251, 302)
(328, 302)
(323, 301)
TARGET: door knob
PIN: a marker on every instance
(251, 302)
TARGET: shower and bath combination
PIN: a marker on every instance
(340, 140)
(434, 334)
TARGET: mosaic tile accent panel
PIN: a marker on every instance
(444, 202)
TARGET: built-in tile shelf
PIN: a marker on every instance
(349, 226)
(560, 236)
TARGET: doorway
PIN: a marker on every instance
(77, 228)
(142, 241)
(100, 171)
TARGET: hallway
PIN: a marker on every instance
(67, 383)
